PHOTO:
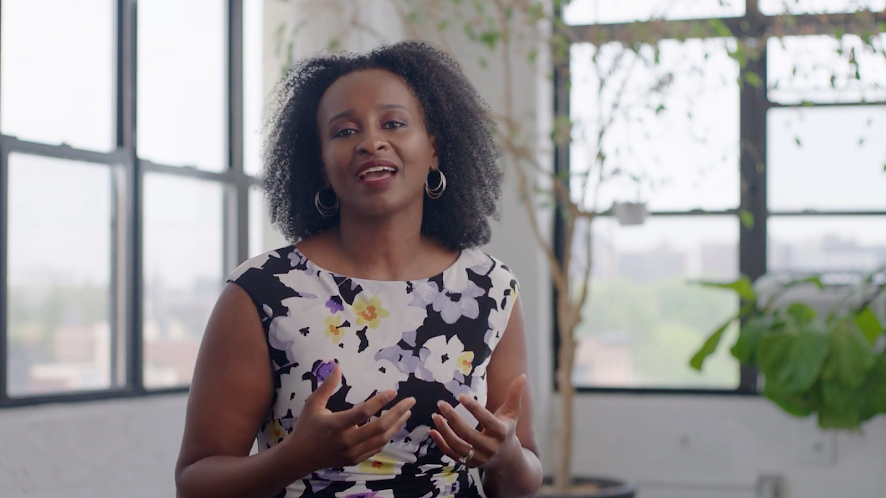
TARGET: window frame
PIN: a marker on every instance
(754, 105)
(127, 360)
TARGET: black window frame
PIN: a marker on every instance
(128, 173)
(754, 106)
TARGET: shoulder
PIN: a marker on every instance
(485, 264)
(269, 263)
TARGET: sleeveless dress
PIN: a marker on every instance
(430, 338)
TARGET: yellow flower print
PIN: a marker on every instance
(464, 362)
(276, 432)
(369, 312)
(333, 328)
(378, 464)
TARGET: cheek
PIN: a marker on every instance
(335, 158)
(418, 153)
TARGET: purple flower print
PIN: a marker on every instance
(324, 370)
(334, 305)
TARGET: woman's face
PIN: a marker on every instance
(376, 150)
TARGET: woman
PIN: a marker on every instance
(382, 354)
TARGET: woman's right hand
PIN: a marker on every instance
(329, 439)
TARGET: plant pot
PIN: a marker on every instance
(591, 487)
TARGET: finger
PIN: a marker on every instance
(367, 409)
(461, 428)
(511, 406)
(389, 419)
(459, 445)
(441, 443)
(320, 397)
(377, 443)
(491, 424)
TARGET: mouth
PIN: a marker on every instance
(376, 172)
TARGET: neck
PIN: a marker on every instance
(385, 248)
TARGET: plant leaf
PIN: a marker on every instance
(742, 286)
(749, 337)
(801, 313)
(869, 325)
(747, 219)
(792, 360)
(794, 404)
(753, 79)
(874, 390)
(851, 357)
(709, 346)
(840, 408)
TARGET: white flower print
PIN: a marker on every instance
(279, 341)
(447, 359)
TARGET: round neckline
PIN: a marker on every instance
(449, 269)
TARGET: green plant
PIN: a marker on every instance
(833, 366)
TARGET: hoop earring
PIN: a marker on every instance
(325, 211)
(436, 192)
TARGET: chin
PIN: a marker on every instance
(383, 206)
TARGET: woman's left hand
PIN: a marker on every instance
(497, 438)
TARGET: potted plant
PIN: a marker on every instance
(832, 366)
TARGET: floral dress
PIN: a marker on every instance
(431, 339)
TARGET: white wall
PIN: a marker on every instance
(122, 448)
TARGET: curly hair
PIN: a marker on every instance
(454, 114)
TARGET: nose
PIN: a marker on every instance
(372, 144)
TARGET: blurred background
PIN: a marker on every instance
(708, 138)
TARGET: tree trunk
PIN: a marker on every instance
(563, 477)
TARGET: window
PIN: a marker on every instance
(742, 165)
(127, 193)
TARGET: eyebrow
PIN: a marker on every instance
(350, 112)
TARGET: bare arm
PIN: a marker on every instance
(520, 474)
(229, 398)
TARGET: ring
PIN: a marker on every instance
(465, 459)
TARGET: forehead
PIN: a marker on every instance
(365, 89)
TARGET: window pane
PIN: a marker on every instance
(822, 244)
(59, 283)
(182, 109)
(644, 320)
(827, 159)
(57, 82)
(262, 236)
(775, 7)
(183, 273)
(613, 11)
(674, 147)
(813, 69)
(253, 85)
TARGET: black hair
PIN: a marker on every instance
(454, 114)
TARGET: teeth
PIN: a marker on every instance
(375, 169)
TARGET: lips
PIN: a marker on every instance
(376, 173)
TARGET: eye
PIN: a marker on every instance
(394, 124)
(346, 132)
